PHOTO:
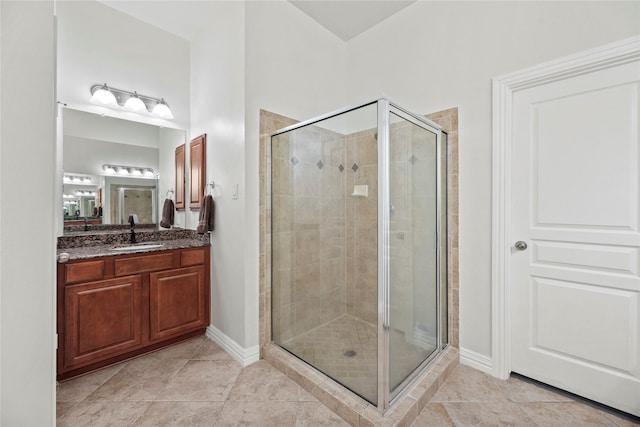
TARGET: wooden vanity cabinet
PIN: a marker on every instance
(101, 319)
(114, 308)
(177, 302)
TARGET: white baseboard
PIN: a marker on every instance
(244, 356)
(476, 360)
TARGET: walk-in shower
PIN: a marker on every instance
(358, 249)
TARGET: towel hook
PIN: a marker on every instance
(210, 187)
(168, 196)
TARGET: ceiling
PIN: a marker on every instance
(184, 18)
(347, 19)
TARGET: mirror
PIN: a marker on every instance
(115, 167)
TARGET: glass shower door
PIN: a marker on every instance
(413, 246)
(324, 211)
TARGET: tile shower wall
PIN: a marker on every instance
(362, 226)
(422, 195)
(448, 119)
(269, 123)
(137, 199)
(400, 236)
(325, 239)
(308, 230)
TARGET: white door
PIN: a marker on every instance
(575, 289)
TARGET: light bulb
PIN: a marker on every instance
(162, 110)
(135, 104)
(103, 96)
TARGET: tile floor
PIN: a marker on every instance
(196, 383)
(324, 348)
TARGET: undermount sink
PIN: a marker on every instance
(137, 246)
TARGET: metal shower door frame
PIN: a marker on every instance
(385, 107)
(386, 397)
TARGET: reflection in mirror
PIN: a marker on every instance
(127, 199)
(94, 193)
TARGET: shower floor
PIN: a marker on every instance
(330, 348)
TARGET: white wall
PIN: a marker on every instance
(437, 55)
(98, 44)
(296, 68)
(217, 105)
(252, 55)
(93, 126)
(27, 245)
(84, 155)
(128, 54)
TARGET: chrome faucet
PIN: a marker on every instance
(86, 227)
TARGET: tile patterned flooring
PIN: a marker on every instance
(324, 348)
(196, 383)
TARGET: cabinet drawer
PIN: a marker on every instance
(143, 263)
(192, 257)
(84, 271)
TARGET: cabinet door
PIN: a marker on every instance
(180, 178)
(102, 320)
(177, 302)
(197, 160)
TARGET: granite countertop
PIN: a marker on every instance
(94, 245)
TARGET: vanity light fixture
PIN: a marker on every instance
(128, 171)
(69, 178)
(132, 101)
(85, 193)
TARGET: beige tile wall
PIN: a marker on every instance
(312, 236)
(448, 119)
(362, 226)
(413, 256)
(137, 199)
(308, 230)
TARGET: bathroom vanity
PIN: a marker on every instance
(119, 301)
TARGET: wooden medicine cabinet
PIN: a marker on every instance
(197, 162)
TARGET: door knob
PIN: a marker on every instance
(520, 245)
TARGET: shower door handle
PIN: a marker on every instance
(521, 246)
(392, 209)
